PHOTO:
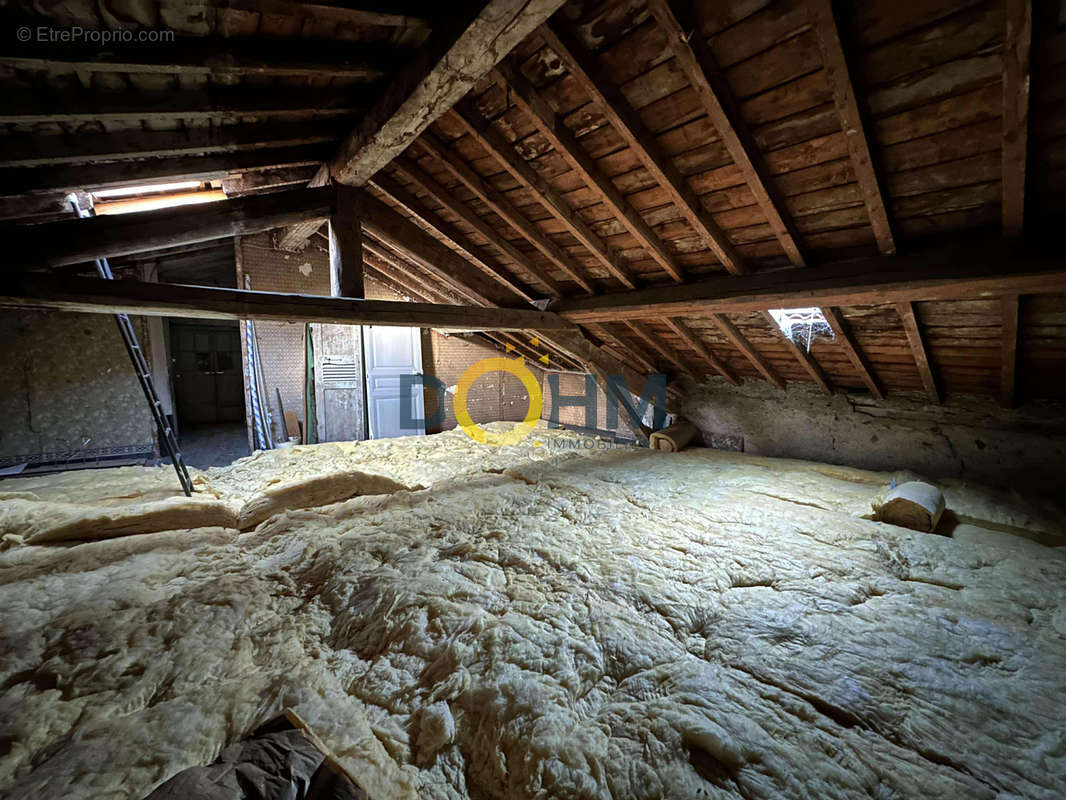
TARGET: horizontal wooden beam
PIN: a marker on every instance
(971, 272)
(219, 104)
(93, 295)
(37, 180)
(31, 150)
(74, 241)
(206, 57)
(376, 14)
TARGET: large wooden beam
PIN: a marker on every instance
(843, 336)
(552, 199)
(466, 44)
(346, 245)
(375, 14)
(75, 241)
(567, 145)
(851, 120)
(695, 59)
(917, 345)
(475, 254)
(1009, 351)
(93, 295)
(595, 80)
(733, 334)
(470, 39)
(1017, 42)
(977, 270)
(499, 203)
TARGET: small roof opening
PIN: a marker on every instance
(149, 197)
(802, 325)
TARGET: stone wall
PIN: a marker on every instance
(968, 437)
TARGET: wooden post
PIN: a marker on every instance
(346, 246)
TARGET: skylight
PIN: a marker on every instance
(801, 325)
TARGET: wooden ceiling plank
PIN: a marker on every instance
(496, 200)
(595, 80)
(1009, 351)
(472, 252)
(430, 186)
(689, 337)
(694, 57)
(548, 196)
(733, 334)
(803, 356)
(918, 349)
(844, 339)
(1017, 43)
(838, 75)
(564, 141)
(660, 347)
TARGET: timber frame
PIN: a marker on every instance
(661, 179)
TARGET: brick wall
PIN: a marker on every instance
(574, 384)
(281, 344)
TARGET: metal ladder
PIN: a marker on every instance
(129, 337)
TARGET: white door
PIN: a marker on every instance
(389, 353)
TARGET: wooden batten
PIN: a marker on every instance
(740, 341)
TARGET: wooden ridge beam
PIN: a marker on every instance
(496, 200)
(695, 59)
(843, 337)
(689, 337)
(566, 143)
(1017, 43)
(75, 241)
(838, 75)
(461, 49)
(499, 148)
(1009, 351)
(466, 43)
(917, 345)
(94, 295)
(976, 270)
(596, 81)
(733, 334)
(430, 186)
(804, 357)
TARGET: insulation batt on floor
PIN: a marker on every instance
(563, 621)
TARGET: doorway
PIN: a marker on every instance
(390, 353)
(206, 370)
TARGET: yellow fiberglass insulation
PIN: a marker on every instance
(561, 621)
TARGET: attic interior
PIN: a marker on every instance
(585, 399)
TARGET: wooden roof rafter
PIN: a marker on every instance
(918, 349)
(1017, 44)
(566, 144)
(740, 341)
(498, 146)
(598, 84)
(843, 335)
